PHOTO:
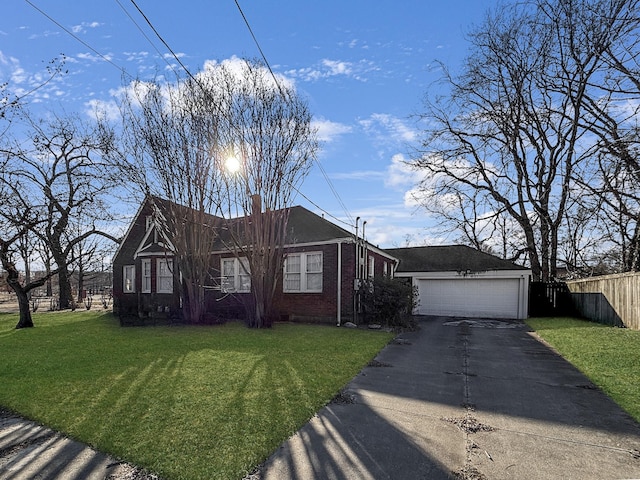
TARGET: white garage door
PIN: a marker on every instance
(469, 297)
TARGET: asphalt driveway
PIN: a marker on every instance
(467, 399)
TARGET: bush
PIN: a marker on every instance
(388, 301)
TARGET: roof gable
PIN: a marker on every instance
(448, 258)
(303, 227)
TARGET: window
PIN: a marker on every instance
(303, 272)
(165, 276)
(146, 275)
(370, 267)
(236, 275)
(129, 279)
(385, 269)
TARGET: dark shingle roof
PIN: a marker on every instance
(305, 226)
(448, 258)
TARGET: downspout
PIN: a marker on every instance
(520, 288)
(365, 275)
(339, 299)
(356, 264)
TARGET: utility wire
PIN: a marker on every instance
(183, 66)
(255, 40)
(351, 225)
(275, 79)
(324, 173)
(160, 54)
(164, 42)
(333, 189)
(106, 59)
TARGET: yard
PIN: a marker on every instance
(609, 356)
(183, 402)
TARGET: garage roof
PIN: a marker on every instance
(448, 258)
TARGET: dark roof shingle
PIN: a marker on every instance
(448, 258)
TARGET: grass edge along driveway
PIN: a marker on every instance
(608, 356)
(183, 402)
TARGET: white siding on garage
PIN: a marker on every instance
(469, 297)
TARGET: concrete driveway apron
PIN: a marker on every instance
(466, 399)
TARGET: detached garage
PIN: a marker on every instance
(459, 281)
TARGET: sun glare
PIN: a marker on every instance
(232, 164)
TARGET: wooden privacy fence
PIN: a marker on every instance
(610, 299)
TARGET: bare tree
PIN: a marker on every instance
(613, 120)
(515, 126)
(170, 138)
(275, 146)
(57, 173)
(180, 137)
(17, 220)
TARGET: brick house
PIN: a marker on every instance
(322, 268)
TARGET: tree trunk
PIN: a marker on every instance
(25, 320)
(65, 294)
(80, 280)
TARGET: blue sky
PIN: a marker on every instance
(364, 67)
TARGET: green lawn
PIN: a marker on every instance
(609, 356)
(184, 402)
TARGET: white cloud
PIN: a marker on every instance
(328, 130)
(138, 57)
(399, 173)
(416, 197)
(47, 33)
(328, 68)
(82, 28)
(388, 128)
(102, 109)
(335, 67)
(18, 75)
(237, 67)
(94, 58)
(394, 225)
(10, 67)
(360, 175)
(169, 56)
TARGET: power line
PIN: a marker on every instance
(351, 225)
(106, 59)
(324, 173)
(333, 189)
(175, 56)
(160, 54)
(164, 42)
(255, 40)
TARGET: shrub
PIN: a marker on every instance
(388, 301)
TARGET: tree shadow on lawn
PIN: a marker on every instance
(189, 413)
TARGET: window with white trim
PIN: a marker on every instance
(385, 269)
(370, 266)
(303, 272)
(146, 275)
(164, 274)
(236, 275)
(129, 279)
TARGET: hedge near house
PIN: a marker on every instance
(388, 301)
